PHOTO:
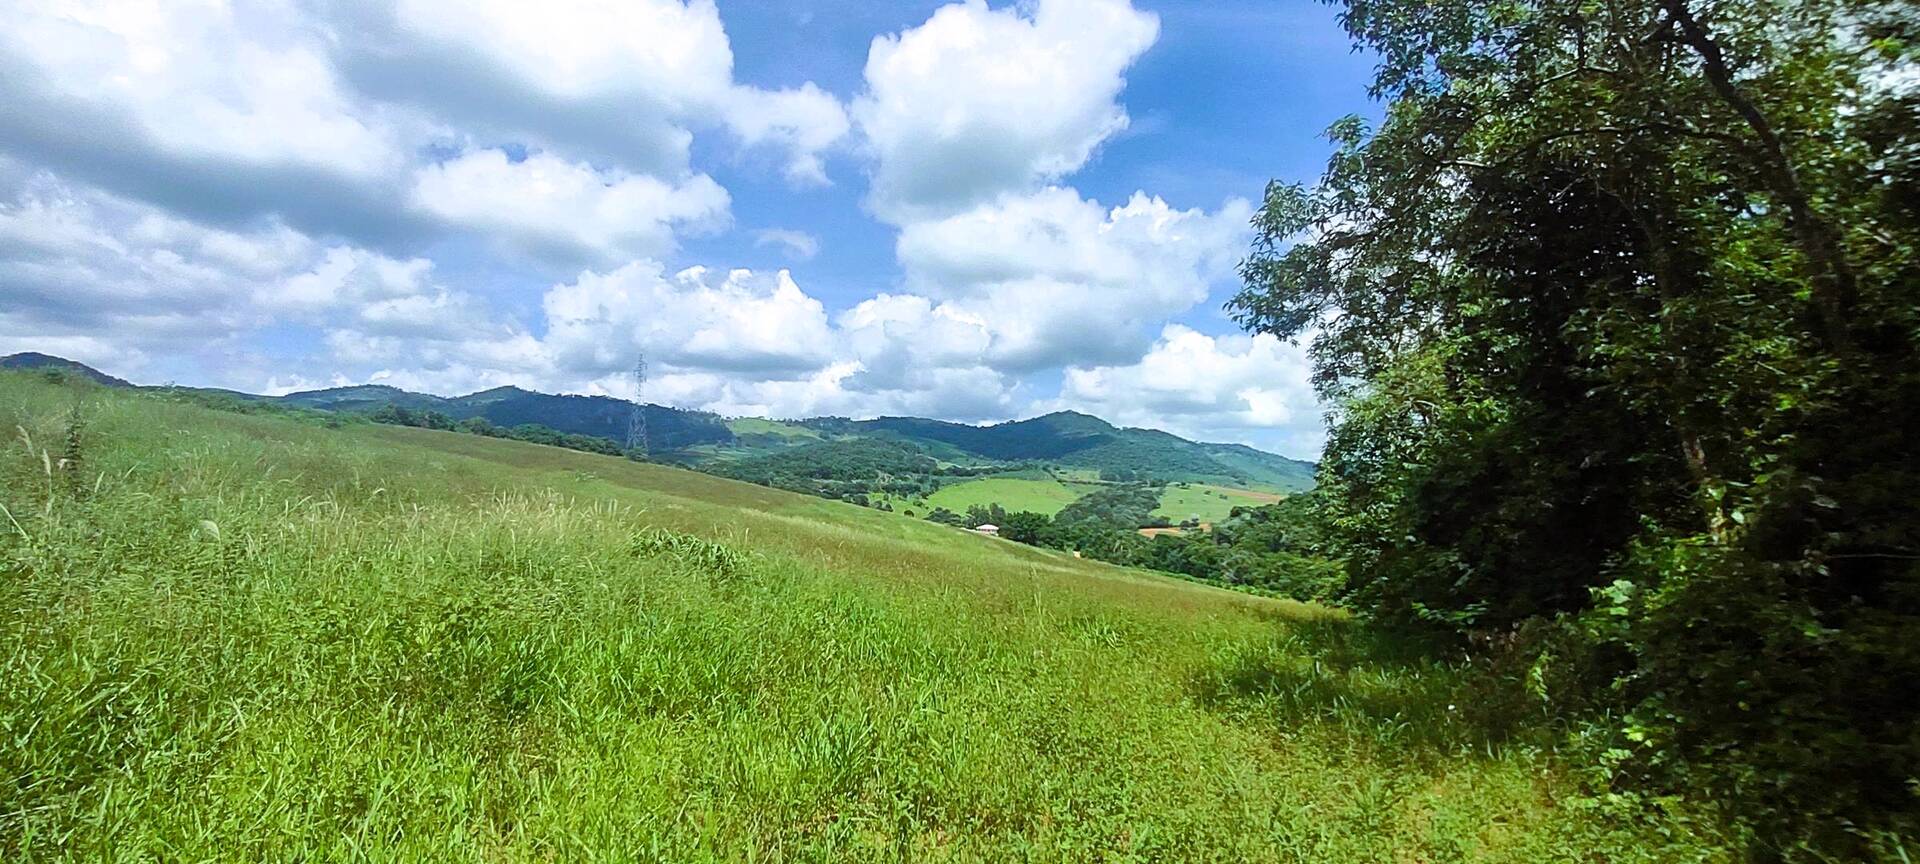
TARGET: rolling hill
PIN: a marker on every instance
(29, 360)
(668, 429)
(1066, 439)
(1075, 440)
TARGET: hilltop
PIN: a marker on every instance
(35, 360)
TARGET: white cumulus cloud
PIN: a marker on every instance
(1253, 388)
(80, 268)
(1061, 279)
(568, 210)
(735, 321)
(622, 82)
(980, 101)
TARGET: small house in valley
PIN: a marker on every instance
(989, 530)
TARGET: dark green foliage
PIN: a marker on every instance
(1027, 527)
(1153, 456)
(554, 438)
(397, 415)
(989, 514)
(699, 554)
(669, 430)
(843, 461)
(1124, 507)
(1048, 437)
(61, 365)
(1617, 307)
(1261, 467)
(1279, 549)
(1074, 440)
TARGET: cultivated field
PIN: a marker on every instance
(233, 637)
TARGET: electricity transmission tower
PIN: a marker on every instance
(637, 420)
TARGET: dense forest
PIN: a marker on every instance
(1617, 307)
(847, 469)
(397, 415)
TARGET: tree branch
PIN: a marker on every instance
(1834, 286)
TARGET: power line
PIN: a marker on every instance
(637, 419)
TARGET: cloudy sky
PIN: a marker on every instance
(973, 211)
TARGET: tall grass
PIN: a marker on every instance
(229, 637)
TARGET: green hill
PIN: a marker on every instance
(668, 429)
(29, 360)
(1074, 440)
(1067, 439)
(366, 398)
(1263, 468)
(248, 636)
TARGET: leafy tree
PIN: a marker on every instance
(479, 426)
(988, 514)
(1034, 529)
(394, 415)
(1124, 507)
(1617, 310)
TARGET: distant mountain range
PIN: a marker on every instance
(1067, 438)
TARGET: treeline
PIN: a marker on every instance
(1619, 312)
(397, 415)
(848, 470)
(855, 470)
(1277, 549)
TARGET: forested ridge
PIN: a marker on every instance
(1616, 308)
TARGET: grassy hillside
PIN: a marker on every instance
(1262, 468)
(1037, 494)
(763, 432)
(1207, 503)
(253, 637)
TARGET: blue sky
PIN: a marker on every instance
(970, 211)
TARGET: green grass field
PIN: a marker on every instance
(761, 426)
(230, 637)
(1208, 503)
(1039, 494)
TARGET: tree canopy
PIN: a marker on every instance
(1617, 308)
